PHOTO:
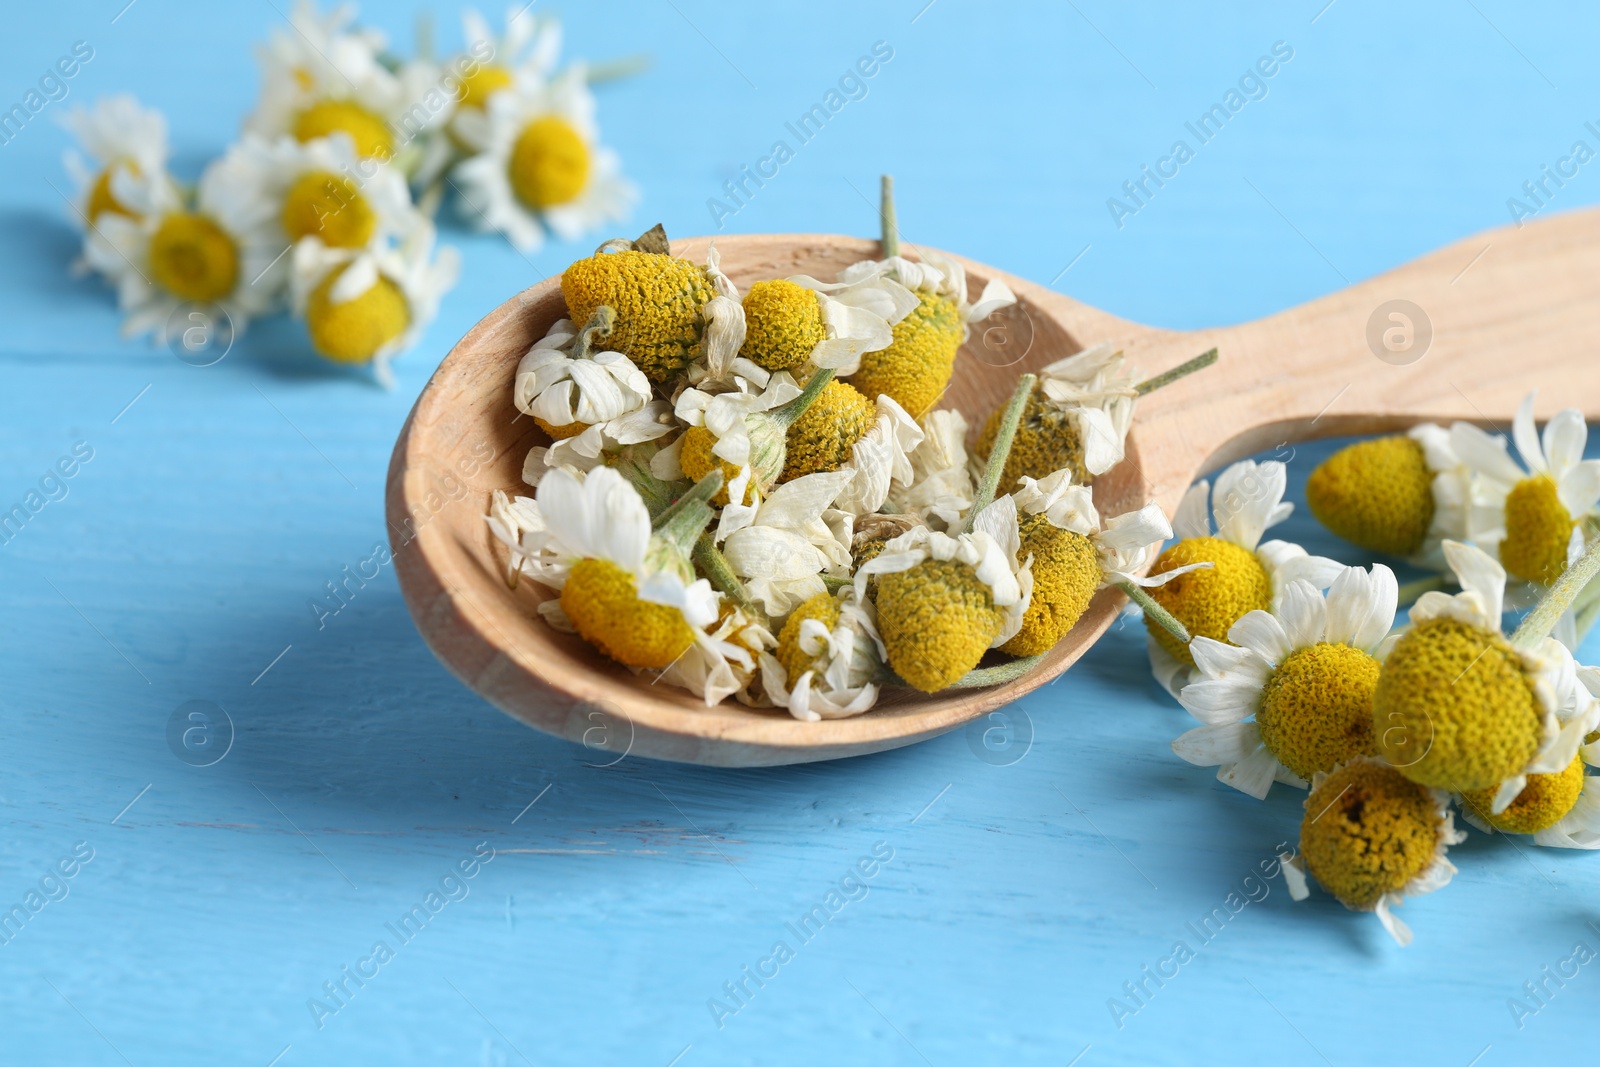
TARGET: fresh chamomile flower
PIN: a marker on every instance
(1532, 520)
(123, 141)
(1372, 838)
(1291, 696)
(783, 545)
(628, 591)
(844, 431)
(1077, 418)
(324, 76)
(223, 252)
(795, 323)
(538, 164)
(941, 488)
(1561, 811)
(1075, 555)
(363, 306)
(1459, 707)
(916, 366)
(321, 189)
(1403, 495)
(943, 600)
(1245, 572)
(671, 312)
(829, 659)
(526, 51)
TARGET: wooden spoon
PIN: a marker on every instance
(1484, 321)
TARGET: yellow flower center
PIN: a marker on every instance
(1546, 800)
(330, 206)
(1377, 494)
(1368, 831)
(658, 300)
(1210, 600)
(102, 199)
(1066, 573)
(825, 436)
(481, 84)
(1316, 709)
(917, 365)
(371, 134)
(1046, 442)
(354, 331)
(193, 258)
(561, 433)
(603, 603)
(824, 607)
(936, 620)
(697, 461)
(1538, 529)
(783, 324)
(1455, 708)
(549, 164)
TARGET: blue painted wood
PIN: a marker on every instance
(1027, 882)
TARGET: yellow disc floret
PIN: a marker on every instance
(824, 607)
(330, 206)
(102, 199)
(1046, 441)
(917, 365)
(193, 258)
(824, 437)
(697, 461)
(658, 299)
(1545, 801)
(371, 135)
(1368, 831)
(783, 324)
(602, 601)
(482, 83)
(1066, 572)
(1316, 709)
(1538, 530)
(1455, 708)
(561, 433)
(937, 620)
(1377, 494)
(549, 164)
(1210, 600)
(354, 331)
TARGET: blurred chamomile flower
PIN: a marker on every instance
(123, 141)
(1403, 495)
(829, 659)
(537, 163)
(526, 51)
(322, 189)
(1291, 696)
(1533, 521)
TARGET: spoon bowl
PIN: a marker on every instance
(1462, 333)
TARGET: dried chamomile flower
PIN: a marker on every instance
(123, 141)
(943, 600)
(670, 312)
(1403, 495)
(1291, 697)
(320, 189)
(1074, 555)
(845, 431)
(941, 488)
(1077, 418)
(161, 254)
(744, 431)
(1532, 521)
(537, 165)
(568, 387)
(829, 659)
(323, 77)
(1245, 573)
(872, 532)
(628, 589)
(1459, 707)
(795, 324)
(724, 660)
(1372, 838)
(783, 546)
(364, 306)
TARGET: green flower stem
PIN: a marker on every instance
(1001, 450)
(1162, 617)
(682, 521)
(891, 232)
(833, 584)
(616, 69)
(1200, 362)
(1411, 591)
(785, 415)
(998, 675)
(714, 566)
(1538, 623)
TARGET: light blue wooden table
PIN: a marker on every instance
(1018, 880)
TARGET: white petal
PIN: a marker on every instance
(1481, 575)
(1247, 495)
(1527, 437)
(1303, 612)
(1262, 633)
(1192, 519)
(1211, 746)
(1253, 775)
(1485, 453)
(1216, 659)
(1217, 701)
(1564, 440)
(1391, 922)
(1579, 488)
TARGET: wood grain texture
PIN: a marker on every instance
(1494, 317)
